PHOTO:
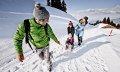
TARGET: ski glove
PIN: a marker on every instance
(57, 42)
(20, 57)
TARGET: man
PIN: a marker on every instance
(39, 35)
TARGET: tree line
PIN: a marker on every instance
(110, 22)
(107, 21)
(57, 4)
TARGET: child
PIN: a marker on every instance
(70, 42)
(71, 29)
(79, 28)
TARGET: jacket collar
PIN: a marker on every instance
(36, 22)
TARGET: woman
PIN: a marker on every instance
(79, 28)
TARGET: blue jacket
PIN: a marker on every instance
(79, 29)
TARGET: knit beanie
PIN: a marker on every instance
(40, 12)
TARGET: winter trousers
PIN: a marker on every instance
(72, 35)
(79, 40)
(43, 53)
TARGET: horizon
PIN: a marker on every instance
(76, 5)
(92, 9)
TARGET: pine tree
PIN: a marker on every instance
(118, 26)
(52, 3)
(104, 20)
(112, 23)
(97, 21)
(55, 4)
(48, 3)
(64, 6)
(58, 4)
(108, 20)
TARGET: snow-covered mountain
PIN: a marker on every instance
(99, 14)
(115, 9)
(117, 20)
(97, 53)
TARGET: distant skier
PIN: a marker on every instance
(71, 29)
(38, 32)
(79, 28)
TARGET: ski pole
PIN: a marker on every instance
(111, 32)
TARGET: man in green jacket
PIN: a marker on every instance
(38, 37)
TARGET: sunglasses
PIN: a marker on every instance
(44, 19)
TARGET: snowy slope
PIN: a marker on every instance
(114, 38)
(96, 54)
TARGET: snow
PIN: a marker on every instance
(115, 48)
(114, 38)
(98, 52)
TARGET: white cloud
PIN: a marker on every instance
(97, 14)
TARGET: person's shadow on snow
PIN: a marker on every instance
(82, 49)
(84, 42)
(89, 39)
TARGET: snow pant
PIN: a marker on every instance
(72, 35)
(79, 40)
(43, 53)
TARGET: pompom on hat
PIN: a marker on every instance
(40, 12)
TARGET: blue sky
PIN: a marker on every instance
(74, 5)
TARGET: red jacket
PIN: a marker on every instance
(70, 41)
